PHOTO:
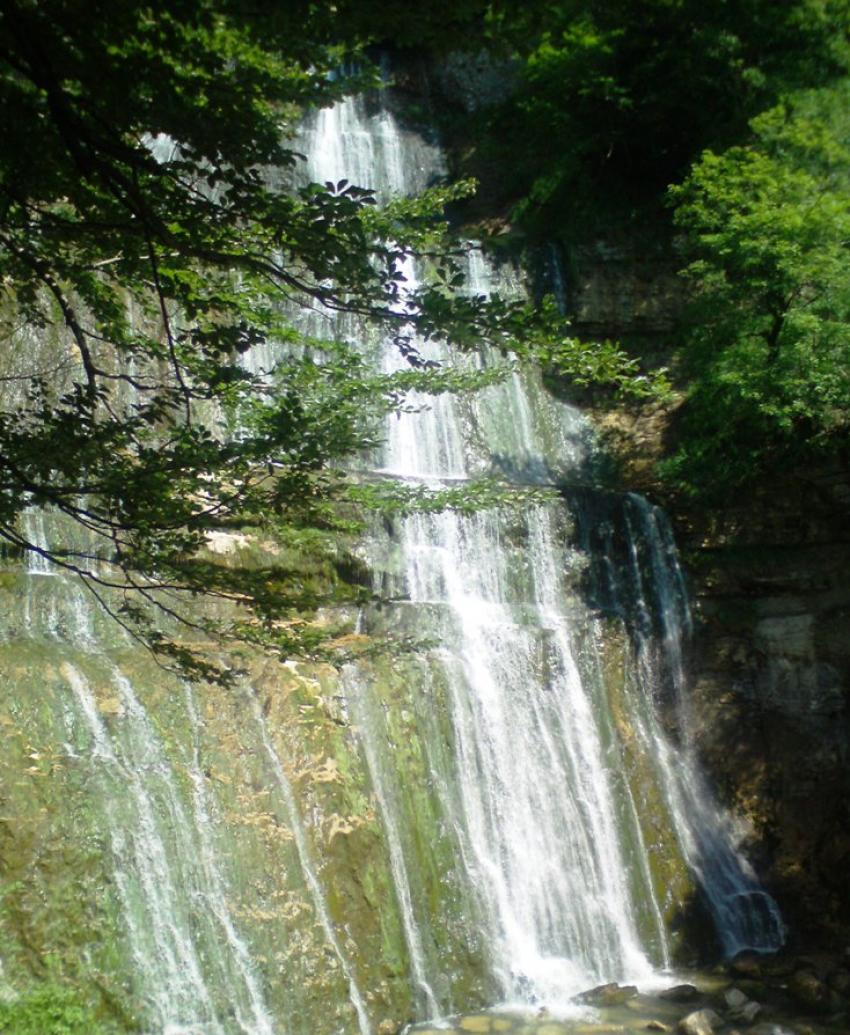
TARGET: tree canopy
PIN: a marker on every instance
(156, 229)
(614, 100)
(718, 133)
(766, 229)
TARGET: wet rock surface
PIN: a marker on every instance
(780, 995)
(610, 994)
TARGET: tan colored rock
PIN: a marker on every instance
(111, 706)
(655, 1025)
(502, 1024)
(700, 1022)
(476, 1023)
(746, 1012)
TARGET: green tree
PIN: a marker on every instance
(151, 234)
(615, 99)
(767, 343)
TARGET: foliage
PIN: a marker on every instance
(157, 240)
(47, 1010)
(615, 99)
(767, 227)
(742, 104)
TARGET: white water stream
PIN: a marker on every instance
(549, 834)
(550, 872)
(173, 893)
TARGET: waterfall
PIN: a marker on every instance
(552, 854)
(310, 874)
(500, 812)
(637, 576)
(194, 971)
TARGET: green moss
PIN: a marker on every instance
(671, 881)
(48, 1010)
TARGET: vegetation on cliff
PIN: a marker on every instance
(740, 108)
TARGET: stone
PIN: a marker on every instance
(746, 1012)
(680, 994)
(551, 1029)
(611, 994)
(746, 966)
(476, 1023)
(700, 1022)
(502, 1024)
(654, 1025)
(735, 998)
(809, 992)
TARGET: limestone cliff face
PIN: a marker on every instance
(769, 573)
(772, 680)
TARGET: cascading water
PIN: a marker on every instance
(173, 894)
(637, 575)
(496, 815)
(547, 832)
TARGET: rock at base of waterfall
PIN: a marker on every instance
(734, 998)
(740, 1006)
(700, 1022)
(747, 966)
(746, 1013)
(809, 992)
(476, 1023)
(657, 1026)
(611, 994)
(680, 994)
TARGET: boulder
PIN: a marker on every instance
(700, 1022)
(611, 994)
(746, 966)
(746, 1012)
(680, 994)
(734, 998)
(809, 992)
(657, 1026)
